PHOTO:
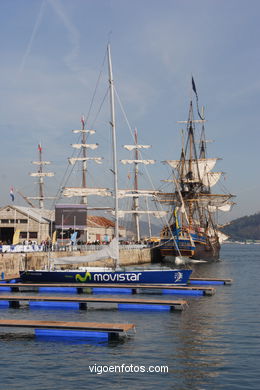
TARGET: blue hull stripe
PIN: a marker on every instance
(178, 277)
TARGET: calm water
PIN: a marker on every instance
(214, 344)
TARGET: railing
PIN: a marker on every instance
(63, 248)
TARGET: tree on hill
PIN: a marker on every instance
(244, 228)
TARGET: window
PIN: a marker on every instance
(23, 220)
(5, 220)
(30, 234)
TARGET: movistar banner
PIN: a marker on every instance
(21, 248)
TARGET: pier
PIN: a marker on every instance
(14, 301)
(134, 289)
(113, 329)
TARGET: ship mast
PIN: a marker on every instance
(84, 161)
(41, 174)
(113, 130)
(136, 192)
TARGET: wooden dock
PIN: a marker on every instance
(14, 301)
(16, 287)
(111, 328)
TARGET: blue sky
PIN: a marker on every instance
(51, 56)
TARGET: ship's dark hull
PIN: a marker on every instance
(208, 251)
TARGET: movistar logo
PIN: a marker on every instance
(117, 277)
(109, 277)
(82, 279)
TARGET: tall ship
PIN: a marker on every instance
(192, 230)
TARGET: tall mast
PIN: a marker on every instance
(40, 178)
(84, 161)
(113, 129)
(136, 193)
(40, 174)
(136, 199)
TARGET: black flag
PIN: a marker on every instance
(194, 87)
(197, 99)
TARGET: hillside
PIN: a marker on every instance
(244, 228)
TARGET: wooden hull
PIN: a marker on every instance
(202, 251)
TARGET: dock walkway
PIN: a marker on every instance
(113, 329)
(16, 287)
(14, 301)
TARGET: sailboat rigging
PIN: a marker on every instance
(102, 275)
(193, 224)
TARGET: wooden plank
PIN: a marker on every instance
(91, 326)
(179, 304)
(206, 290)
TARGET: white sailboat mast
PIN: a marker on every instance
(113, 129)
(84, 162)
(40, 178)
(40, 174)
(136, 199)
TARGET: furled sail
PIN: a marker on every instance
(42, 174)
(136, 193)
(79, 191)
(41, 162)
(145, 162)
(110, 251)
(84, 131)
(97, 160)
(89, 146)
(132, 147)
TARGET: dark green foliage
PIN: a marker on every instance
(244, 228)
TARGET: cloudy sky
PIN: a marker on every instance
(52, 61)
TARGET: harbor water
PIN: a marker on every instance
(213, 344)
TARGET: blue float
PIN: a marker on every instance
(5, 288)
(106, 290)
(183, 292)
(137, 307)
(70, 334)
(206, 282)
(56, 305)
(4, 304)
(58, 289)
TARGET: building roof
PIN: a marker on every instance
(40, 215)
(95, 221)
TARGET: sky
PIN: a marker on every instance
(53, 60)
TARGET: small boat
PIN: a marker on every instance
(100, 274)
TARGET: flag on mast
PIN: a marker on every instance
(197, 99)
(194, 87)
(12, 193)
